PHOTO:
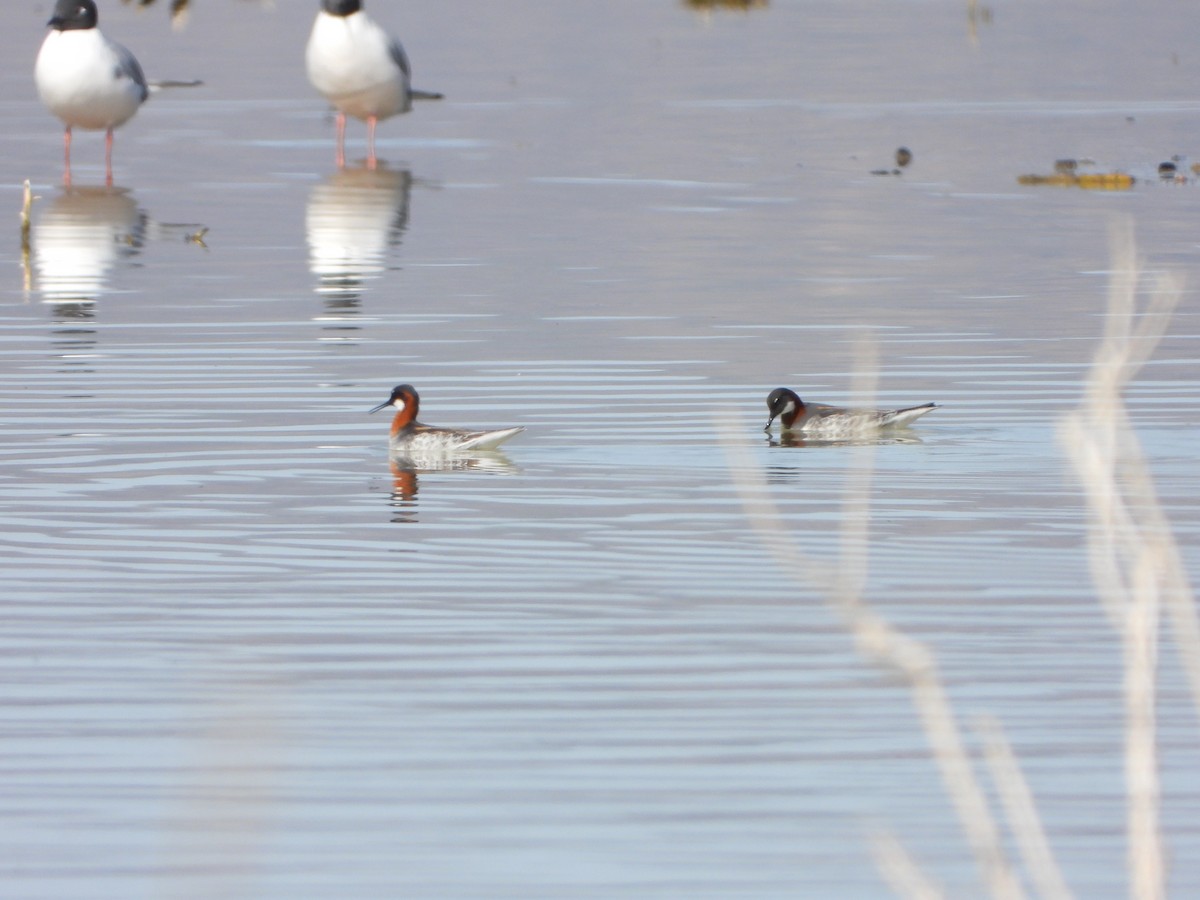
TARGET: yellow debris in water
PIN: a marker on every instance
(1100, 181)
(727, 4)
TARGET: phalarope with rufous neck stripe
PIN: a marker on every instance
(411, 437)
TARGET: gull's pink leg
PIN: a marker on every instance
(341, 140)
(108, 142)
(67, 156)
(371, 120)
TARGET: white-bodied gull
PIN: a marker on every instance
(360, 69)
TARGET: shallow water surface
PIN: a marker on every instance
(244, 654)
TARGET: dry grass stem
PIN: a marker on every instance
(1020, 811)
(1137, 570)
(901, 871)
(1134, 559)
(843, 587)
(26, 247)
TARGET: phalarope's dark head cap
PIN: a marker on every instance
(777, 403)
(406, 394)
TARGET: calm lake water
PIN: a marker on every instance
(242, 656)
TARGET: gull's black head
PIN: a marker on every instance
(341, 7)
(73, 15)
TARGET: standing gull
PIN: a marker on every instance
(87, 80)
(360, 69)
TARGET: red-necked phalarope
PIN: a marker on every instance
(360, 69)
(411, 437)
(821, 420)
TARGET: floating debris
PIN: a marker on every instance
(1174, 170)
(725, 4)
(177, 9)
(903, 158)
(1090, 181)
(1099, 181)
(1067, 174)
(26, 222)
(26, 209)
(179, 14)
(977, 14)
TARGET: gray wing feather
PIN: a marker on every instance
(128, 67)
(400, 58)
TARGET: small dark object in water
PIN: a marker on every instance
(1066, 165)
(1166, 170)
(903, 157)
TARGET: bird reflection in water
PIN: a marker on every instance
(79, 237)
(708, 6)
(355, 219)
(797, 439)
(406, 472)
(75, 242)
(82, 234)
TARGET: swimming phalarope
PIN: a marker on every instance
(411, 437)
(360, 69)
(85, 79)
(821, 420)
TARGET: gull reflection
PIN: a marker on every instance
(81, 235)
(354, 219)
(406, 472)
